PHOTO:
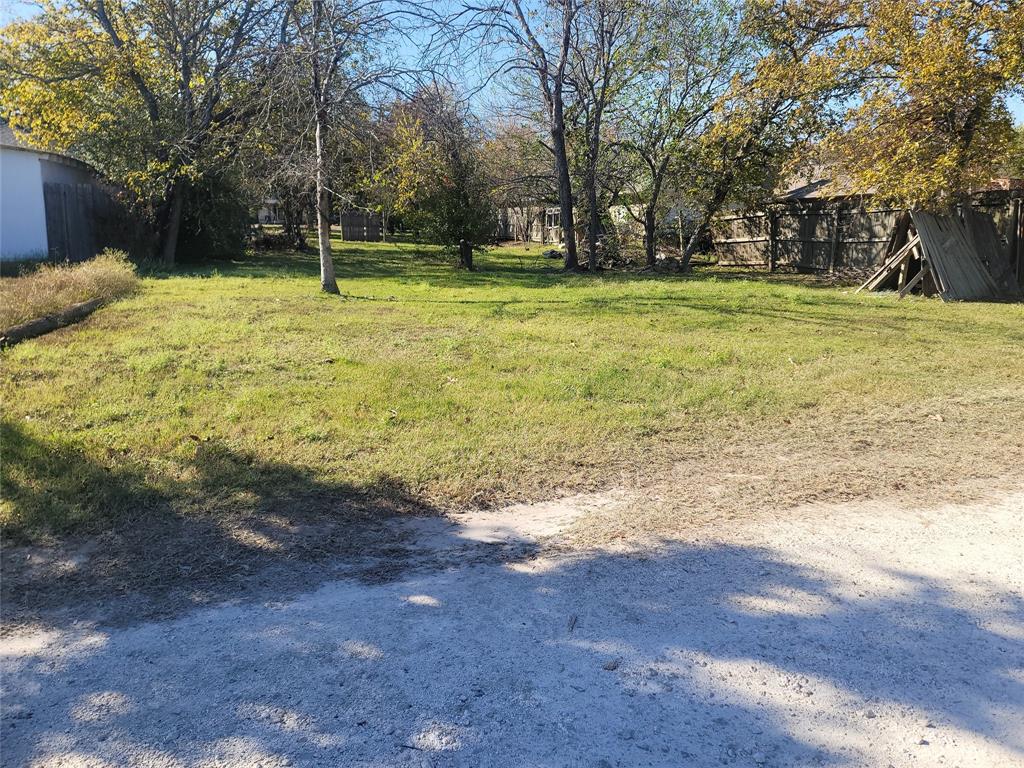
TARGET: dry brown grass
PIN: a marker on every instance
(930, 452)
(54, 287)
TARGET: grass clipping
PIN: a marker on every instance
(53, 288)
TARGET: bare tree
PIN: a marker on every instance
(607, 53)
(344, 46)
(669, 104)
(538, 41)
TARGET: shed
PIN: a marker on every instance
(53, 206)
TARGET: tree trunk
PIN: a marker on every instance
(172, 227)
(712, 207)
(466, 255)
(691, 245)
(323, 206)
(593, 219)
(564, 186)
(590, 180)
(650, 236)
(292, 210)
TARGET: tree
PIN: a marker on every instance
(520, 169)
(154, 93)
(782, 92)
(347, 47)
(452, 200)
(608, 51)
(1014, 165)
(693, 50)
(398, 164)
(536, 40)
(277, 160)
(931, 120)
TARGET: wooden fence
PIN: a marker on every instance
(83, 219)
(836, 238)
(360, 226)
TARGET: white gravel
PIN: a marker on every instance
(857, 635)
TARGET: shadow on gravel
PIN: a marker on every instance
(696, 656)
(162, 550)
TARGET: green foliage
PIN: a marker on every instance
(456, 204)
(1014, 166)
(152, 94)
(434, 175)
(216, 220)
(931, 120)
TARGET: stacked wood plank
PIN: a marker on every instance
(945, 255)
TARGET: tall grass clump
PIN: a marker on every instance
(53, 288)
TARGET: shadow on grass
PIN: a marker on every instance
(695, 655)
(408, 263)
(412, 265)
(145, 548)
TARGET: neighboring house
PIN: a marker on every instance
(534, 223)
(54, 206)
(542, 224)
(270, 212)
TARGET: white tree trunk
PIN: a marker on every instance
(323, 207)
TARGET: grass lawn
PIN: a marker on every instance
(239, 386)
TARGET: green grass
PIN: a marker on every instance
(239, 386)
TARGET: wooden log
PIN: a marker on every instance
(39, 326)
(891, 264)
(914, 281)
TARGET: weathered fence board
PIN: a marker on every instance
(360, 226)
(82, 219)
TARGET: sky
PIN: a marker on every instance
(11, 10)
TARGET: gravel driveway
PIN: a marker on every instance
(849, 635)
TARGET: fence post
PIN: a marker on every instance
(835, 241)
(773, 239)
(1015, 245)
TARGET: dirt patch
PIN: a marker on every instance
(851, 635)
(922, 453)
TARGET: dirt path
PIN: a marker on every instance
(866, 634)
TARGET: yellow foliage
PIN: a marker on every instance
(931, 120)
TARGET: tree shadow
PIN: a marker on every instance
(415, 264)
(146, 548)
(696, 655)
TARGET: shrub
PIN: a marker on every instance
(216, 221)
(54, 287)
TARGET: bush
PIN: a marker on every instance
(54, 287)
(216, 221)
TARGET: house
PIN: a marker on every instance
(531, 223)
(270, 212)
(540, 223)
(53, 206)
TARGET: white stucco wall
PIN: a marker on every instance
(22, 214)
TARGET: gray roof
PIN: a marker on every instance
(11, 139)
(8, 138)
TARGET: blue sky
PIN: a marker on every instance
(15, 9)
